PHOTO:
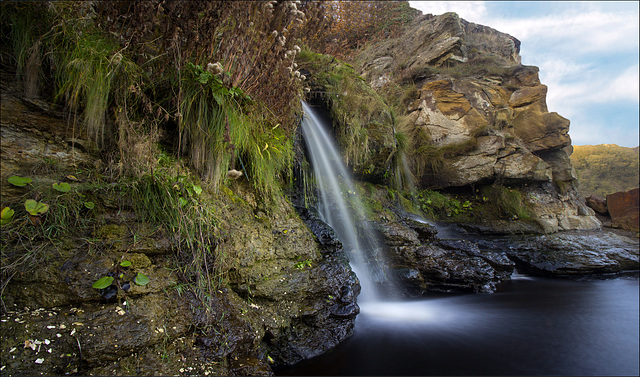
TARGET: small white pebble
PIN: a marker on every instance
(47, 341)
(51, 327)
(62, 327)
(12, 349)
(73, 332)
(59, 335)
(49, 350)
(39, 361)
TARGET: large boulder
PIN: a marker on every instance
(597, 204)
(573, 253)
(555, 210)
(422, 263)
(624, 209)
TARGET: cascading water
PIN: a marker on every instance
(339, 207)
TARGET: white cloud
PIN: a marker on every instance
(566, 96)
(469, 10)
(576, 33)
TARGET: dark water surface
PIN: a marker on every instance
(531, 326)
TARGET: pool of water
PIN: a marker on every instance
(531, 326)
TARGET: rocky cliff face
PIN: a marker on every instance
(483, 111)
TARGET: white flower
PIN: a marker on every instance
(297, 48)
(215, 69)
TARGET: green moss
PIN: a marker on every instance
(438, 206)
(505, 202)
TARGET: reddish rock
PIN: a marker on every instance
(597, 204)
(624, 209)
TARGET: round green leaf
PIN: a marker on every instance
(103, 282)
(141, 279)
(35, 208)
(62, 187)
(19, 181)
(6, 216)
(125, 263)
(89, 205)
(197, 189)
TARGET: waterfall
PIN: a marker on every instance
(339, 207)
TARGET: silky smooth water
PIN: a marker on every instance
(339, 206)
(531, 326)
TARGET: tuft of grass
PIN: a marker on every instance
(94, 75)
(223, 128)
(26, 23)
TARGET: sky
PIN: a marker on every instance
(587, 52)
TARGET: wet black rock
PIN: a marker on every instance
(424, 263)
(574, 253)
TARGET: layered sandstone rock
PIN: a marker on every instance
(483, 113)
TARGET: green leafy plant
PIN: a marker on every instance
(62, 187)
(301, 265)
(439, 206)
(103, 282)
(141, 279)
(35, 208)
(19, 181)
(6, 216)
(223, 129)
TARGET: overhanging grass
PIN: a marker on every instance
(223, 128)
(360, 113)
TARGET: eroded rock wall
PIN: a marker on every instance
(484, 111)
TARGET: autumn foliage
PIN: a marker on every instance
(350, 24)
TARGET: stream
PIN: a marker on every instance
(531, 326)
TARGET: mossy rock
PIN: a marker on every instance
(111, 232)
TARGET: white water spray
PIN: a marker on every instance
(339, 207)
